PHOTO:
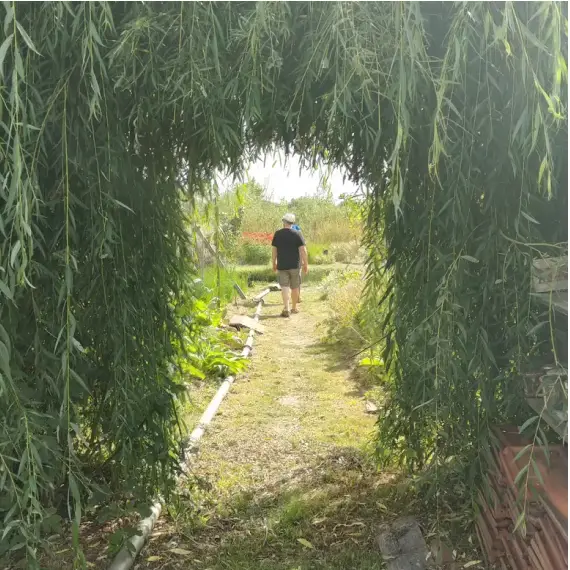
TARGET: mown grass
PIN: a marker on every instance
(286, 481)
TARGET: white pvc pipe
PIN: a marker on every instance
(222, 392)
(261, 295)
(126, 556)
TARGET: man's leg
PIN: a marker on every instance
(285, 293)
(295, 298)
(285, 282)
(295, 288)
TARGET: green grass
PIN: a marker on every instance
(287, 481)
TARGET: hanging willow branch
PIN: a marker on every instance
(454, 117)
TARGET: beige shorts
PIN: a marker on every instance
(290, 278)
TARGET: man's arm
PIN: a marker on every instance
(274, 257)
(304, 259)
(303, 253)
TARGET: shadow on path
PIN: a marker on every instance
(322, 516)
(342, 359)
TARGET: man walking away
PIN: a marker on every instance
(289, 254)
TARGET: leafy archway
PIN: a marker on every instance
(453, 115)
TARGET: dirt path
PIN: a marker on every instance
(284, 475)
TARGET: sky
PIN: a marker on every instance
(285, 181)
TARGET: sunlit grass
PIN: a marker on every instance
(293, 485)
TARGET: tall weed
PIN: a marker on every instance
(321, 220)
(225, 290)
(253, 253)
(342, 291)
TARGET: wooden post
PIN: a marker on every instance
(239, 291)
(209, 246)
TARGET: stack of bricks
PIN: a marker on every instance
(541, 541)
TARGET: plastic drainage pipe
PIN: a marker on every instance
(126, 556)
(214, 405)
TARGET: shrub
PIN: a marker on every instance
(318, 254)
(255, 253)
(346, 252)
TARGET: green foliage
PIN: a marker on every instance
(467, 205)
(321, 220)
(205, 351)
(255, 253)
(318, 254)
(265, 274)
(225, 292)
(454, 117)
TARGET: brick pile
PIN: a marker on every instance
(541, 543)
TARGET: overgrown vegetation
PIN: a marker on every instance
(249, 219)
(222, 290)
(321, 220)
(488, 169)
(454, 117)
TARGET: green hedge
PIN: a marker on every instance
(264, 274)
(254, 253)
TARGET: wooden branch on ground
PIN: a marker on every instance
(243, 321)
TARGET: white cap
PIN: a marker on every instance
(288, 218)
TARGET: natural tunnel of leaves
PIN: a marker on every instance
(114, 114)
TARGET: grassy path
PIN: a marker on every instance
(285, 483)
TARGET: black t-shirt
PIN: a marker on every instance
(288, 241)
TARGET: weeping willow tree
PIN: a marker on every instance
(480, 191)
(113, 114)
